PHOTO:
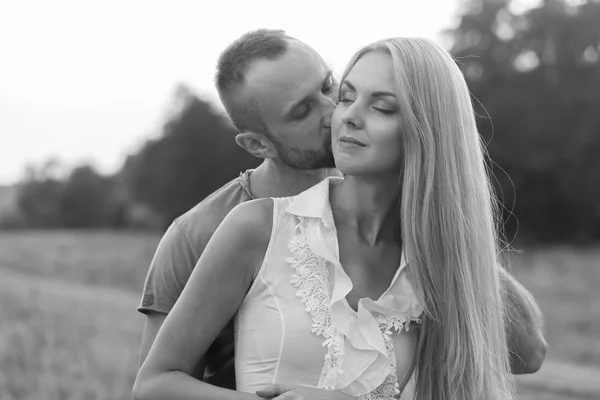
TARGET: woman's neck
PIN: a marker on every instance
(370, 205)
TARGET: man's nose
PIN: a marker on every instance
(328, 108)
(332, 97)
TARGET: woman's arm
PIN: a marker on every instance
(213, 294)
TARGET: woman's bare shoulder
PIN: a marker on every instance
(248, 225)
(236, 250)
(255, 215)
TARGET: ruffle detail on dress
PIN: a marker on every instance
(360, 359)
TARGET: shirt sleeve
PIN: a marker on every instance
(169, 271)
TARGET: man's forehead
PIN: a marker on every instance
(292, 76)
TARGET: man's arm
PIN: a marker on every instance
(524, 327)
(169, 271)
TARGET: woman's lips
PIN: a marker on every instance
(351, 141)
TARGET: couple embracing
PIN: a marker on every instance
(360, 260)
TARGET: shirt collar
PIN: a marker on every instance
(314, 202)
(244, 180)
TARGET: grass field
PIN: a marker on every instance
(69, 329)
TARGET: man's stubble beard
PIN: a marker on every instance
(313, 159)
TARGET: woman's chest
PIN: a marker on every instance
(370, 268)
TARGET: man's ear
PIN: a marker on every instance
(256, 144)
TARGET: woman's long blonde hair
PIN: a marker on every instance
(448, 228)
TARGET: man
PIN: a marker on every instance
(280, 95)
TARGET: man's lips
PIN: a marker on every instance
(351, 140)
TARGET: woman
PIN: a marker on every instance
(411, 225)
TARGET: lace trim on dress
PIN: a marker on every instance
(312, 283)
(390, 388)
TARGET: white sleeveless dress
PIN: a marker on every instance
(295, 325)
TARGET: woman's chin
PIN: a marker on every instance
(347, 168)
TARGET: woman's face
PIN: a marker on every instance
(365, 126)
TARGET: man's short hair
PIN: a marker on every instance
(232, 68)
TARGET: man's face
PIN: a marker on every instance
(296, 98)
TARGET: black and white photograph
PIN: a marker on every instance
(317, 200)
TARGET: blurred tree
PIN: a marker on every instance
(535, 76)
(83, 199)
(87, 200)
(195, 155)
(39, 196)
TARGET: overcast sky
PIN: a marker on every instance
(88, 81)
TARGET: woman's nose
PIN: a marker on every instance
(351, 118)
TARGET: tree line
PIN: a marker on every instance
(535, 81)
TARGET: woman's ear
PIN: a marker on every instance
(256, 144)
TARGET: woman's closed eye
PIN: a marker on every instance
(377, 106)
(385, 108)
(346, 97)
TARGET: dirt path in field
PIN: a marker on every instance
(554, 381)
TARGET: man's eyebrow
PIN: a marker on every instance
(374, 94)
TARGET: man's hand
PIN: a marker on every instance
(296, 392)
(524, 327)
